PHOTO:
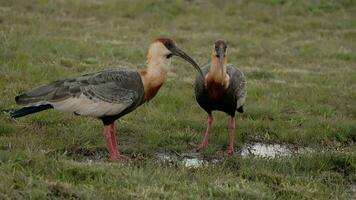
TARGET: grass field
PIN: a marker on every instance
(300, 60)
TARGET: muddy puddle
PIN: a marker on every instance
(272, 150)
(187, 159)
(261, 150)
(194, 159)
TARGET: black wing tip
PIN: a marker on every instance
(14, 114)
(29, 110)
(240, 109)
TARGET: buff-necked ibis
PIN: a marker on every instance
(106, 95)
(222, 88)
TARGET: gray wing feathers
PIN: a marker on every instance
(88, 94)
(199, 81)
(109, 92)
(52, 91)
(240, 82)
(112, 87)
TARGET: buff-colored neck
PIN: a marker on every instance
(214, 76)
(154, 74)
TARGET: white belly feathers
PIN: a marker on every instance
(82, 105)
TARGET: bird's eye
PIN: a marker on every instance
(169, 56)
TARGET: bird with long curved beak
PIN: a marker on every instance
(220, 54)
(223, 88)
(106, 95)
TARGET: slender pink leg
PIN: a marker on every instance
(206, 135)
(230, 149)
(110, 139)
(113, 136)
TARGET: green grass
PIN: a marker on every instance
(299, 57)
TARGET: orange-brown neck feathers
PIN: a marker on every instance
(218, 74)
(217, 78)
(157, 66)
(152, 79)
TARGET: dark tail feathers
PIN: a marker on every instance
(29, 110)
(240, 109)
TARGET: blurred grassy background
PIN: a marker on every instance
(299, 57)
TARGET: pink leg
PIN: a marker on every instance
(113, 136)
(110, 139)
(206, 135)
(230, 149)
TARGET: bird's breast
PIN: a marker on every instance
(152, 91)
(215, 90)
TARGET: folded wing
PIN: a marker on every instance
(99, 94)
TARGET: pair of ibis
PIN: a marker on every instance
(111, 94)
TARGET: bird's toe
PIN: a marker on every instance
(119, 157)
(229, 151)
(200, 146)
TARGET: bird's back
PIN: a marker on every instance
(231, 100)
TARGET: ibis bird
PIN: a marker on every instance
(222, 88)
(106, 95)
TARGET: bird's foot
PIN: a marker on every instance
(200, 146)
(118, 157)
(229, 151)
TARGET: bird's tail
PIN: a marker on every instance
(36, 100)
(30, 110)
(240, 109)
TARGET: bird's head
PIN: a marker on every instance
(219, 54)
(163, 49)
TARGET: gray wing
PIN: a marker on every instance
(98, 94)
(238, 79)
(200, 82)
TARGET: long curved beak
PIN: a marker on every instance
(221, 54)
(176, 51)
